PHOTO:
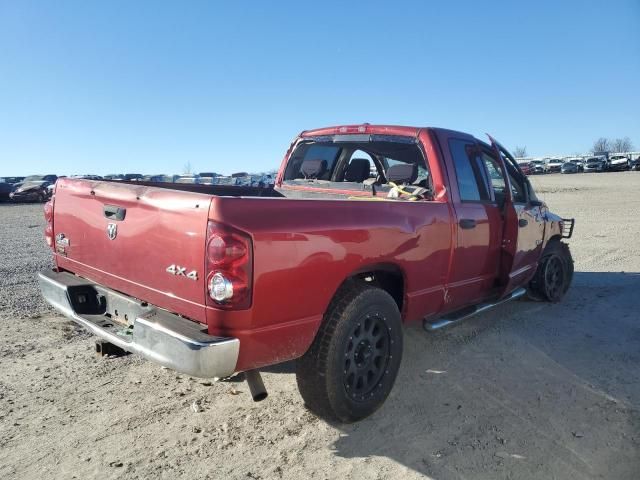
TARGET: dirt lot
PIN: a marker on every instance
(529, 390)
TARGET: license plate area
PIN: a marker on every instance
(121, 309)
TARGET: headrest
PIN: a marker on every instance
(358, 170)
(402, 173)
(313, 168)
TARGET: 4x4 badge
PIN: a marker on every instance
(112, 231)
(182, 272)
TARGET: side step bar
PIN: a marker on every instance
(467, 312)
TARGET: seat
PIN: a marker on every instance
(313, 169)
(357, 170)
(402, 173)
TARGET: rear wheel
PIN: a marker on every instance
(350, 368)
(555, 272)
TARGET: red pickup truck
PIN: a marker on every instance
(368, 227)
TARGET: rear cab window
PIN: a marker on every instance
(326, 153)
(354, 162)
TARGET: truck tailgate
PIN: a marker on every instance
(147, 242)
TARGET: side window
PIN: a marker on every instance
(518, 192)
(517, 189)
(472, 183)
(495, 174)
(497, 181)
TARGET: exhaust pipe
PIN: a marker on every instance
(256, 387)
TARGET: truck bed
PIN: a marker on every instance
(300, 189)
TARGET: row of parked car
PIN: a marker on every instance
(38, 188)
(205, 178)
(600, 163)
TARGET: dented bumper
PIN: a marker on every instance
(137, 327)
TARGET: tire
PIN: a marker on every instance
(555, 272)
(42, 198)
(341, 379)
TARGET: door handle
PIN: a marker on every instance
(467, 223)
(113, 212)
(523, 222)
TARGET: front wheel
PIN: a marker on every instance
(555, 272)
(350, 368)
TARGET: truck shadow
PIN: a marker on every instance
(526, 387)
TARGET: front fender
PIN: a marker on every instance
(553, 227)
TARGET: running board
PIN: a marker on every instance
(467, 312)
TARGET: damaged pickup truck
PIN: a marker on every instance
(367, 228)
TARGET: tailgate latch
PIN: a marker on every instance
(113, 212)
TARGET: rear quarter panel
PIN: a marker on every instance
(305, 249)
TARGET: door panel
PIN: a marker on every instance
(475, 263)
(530, 231)
(478, 224)
(523, 226)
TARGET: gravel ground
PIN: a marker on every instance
(23, 252)
(529, 390)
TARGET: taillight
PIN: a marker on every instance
(229, 267)
(48, 229)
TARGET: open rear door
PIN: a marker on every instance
(523, 226)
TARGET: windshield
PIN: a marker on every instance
(34, 178)
(34, 183)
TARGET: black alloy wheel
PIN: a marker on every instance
(554, 274)
(554, 278)
(366, 357)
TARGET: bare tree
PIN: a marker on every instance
(187, 168)
(621, 145)
(520, 152)
(601, 145)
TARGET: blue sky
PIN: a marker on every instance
(119, 86)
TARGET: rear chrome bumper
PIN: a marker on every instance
(135, 326)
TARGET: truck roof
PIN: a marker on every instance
(363, 128)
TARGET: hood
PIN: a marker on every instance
(25, 187)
